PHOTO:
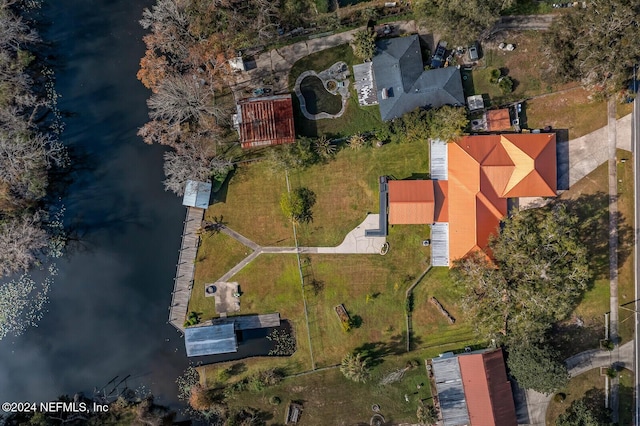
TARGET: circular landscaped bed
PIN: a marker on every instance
(317, 98)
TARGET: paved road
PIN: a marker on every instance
(635, 137)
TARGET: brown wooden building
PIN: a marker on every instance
(265, 121)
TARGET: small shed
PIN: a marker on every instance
(237, 64)
(197, 194)
(210, 339)
(292, 416)
(475, 102)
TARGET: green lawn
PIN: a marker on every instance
(625, 407)
(355, 119)
(626, 292)
(216, 255)
(346, 189)
(430, 327)
(330, 399)
(590, 201)
(590, 383)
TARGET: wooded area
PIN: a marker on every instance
(29, 146)
(598, 45)
(538, 273)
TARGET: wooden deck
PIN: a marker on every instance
(183, 281)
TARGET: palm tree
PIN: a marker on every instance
(354, 367)
(323, 147)
(356, 141)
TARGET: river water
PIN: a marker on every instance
(109, 304)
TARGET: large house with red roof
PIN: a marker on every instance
(474, 182)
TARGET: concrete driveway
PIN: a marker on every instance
(587, 152)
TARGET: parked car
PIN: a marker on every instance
(438, 57)
(473, 52)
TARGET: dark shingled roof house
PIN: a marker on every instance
(402, 83)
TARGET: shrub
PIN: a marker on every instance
(506, 85)
(494, 76)
(274, 400)
(559, 397)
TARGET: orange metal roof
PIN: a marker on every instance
(411, 202)
(486, 170)
(266, 121)
(487, 390)
(441, 191)
(498, 119)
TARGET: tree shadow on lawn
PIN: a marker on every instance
(571, 339)
(592, 211)
(375, 352)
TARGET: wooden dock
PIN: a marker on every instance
(183, 282)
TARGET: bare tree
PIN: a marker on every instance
(14, 32)
(181, 99)
(193, 161)
(170, 28)
(21, 239)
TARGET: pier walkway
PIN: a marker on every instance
(186, 267)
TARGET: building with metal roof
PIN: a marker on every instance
(265, 121)
(210, 339)
(402, 83)
(484, 172)
(197, 194)
(473, 389)
(365, 84)
(478, 175)
(219, 336)
(451, 398)
(498, 120)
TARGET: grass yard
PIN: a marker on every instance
(355, 119)
(271, 283)
(625, 407)
(251, 206)
(346, 188)
(589, 384)
(252, 201)
(626, 290)
(591, 203)
(430, 327)
(330, 399)
(217, 254)
(572, 110)
(526, 66)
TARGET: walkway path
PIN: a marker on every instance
(186, 266)
(537, 403)
(354, 243)
(613, 245)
